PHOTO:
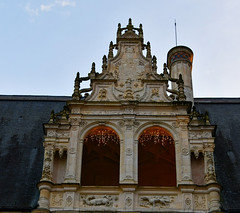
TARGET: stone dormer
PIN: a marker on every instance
(129, 143)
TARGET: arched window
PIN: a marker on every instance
(156, 158)
(100, 159)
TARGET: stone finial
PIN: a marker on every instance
(154, 63)
(75, 94)
(130, 26)
(181, 95)
(52, 116)
(104, 63)
(194, 113)
(140, 31)
(207, 121)
(110, 53)
(93, 70)
(148, 47)
(119, 30)
(165, 72)
(64, 114)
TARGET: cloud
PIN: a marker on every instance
(46, 8)
(31, 11)
(65, 3)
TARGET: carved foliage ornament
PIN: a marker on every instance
(210, 173)
(199, 202)
(57, 199)
(47, 173)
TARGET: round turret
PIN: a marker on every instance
(179, 61)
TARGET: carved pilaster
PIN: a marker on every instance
(47, 164)
(129, 159)
(210, 176)
(71, 176)
(185, 150)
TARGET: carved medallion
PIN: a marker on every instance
(185, 152)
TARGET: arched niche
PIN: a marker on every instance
(100, 158)
(156, 158)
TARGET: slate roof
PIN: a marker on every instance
(21, 150)
(225, 113)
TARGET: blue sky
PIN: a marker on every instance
(43, 44)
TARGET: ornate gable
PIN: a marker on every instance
(129, 75)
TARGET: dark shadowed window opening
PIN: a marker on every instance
(59, 166)
(101, 154)
(197, 164)
(156, 158)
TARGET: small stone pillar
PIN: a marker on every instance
(179, 61)
(46, 180)
(71, 170)
(44, 198)
(214, 198)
